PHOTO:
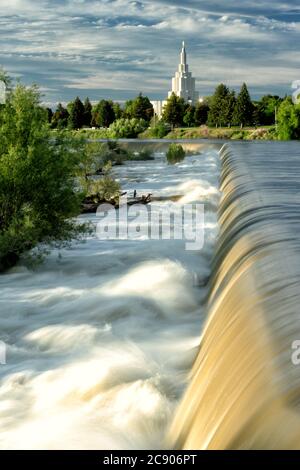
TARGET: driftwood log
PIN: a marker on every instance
(89, 206)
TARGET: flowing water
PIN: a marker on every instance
(101, 337)
(245, 387)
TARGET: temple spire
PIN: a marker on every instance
(183, 54)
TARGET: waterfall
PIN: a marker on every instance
(244, 390)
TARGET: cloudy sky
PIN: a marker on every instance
(116, 48)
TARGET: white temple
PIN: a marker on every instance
(183, 85)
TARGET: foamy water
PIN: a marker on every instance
(101, 337)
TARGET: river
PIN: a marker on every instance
(102, 335)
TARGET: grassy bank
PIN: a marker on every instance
(233, 133)
(202, 132)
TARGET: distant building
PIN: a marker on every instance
(183, 85)
(158, 107)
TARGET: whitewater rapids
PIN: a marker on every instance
(101, 336)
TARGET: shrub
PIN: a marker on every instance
(104, 189)
(95, 155)
(175, 154)
(259, 134)
(238, 135)
(288, 120)
(127, 128)
(92, 157)
(143, 155)
(160, 130)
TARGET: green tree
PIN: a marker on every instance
(173, 111)
(266, 109)
(49, 114)
(87, 114)
(243, 110)
(230, 104)
(103, 114)
(189, 116)
(128, 109)
(139, 108)
(289, 120)
(201, 113)
(118, 110)
(76, 117)
(60, 117)
(219, 107)
(256, 115)
(38, 197)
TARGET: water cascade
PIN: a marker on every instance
(245, 389)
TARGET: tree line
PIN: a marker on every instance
(78, 114)
(224, 108)
(40, 170)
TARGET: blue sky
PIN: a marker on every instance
(117, 48)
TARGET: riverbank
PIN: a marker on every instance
(224, 133)
(202, 132)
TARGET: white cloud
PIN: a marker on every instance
(121, 45)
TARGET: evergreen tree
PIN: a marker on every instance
(76, 117)
(118, 110)
(87, 115)
(60, 117)
(128, 109)
(244, 108)
(174, 111)
(139, 108)
(256, 115)
(201, 114)
(220, 113)
(103, 114)
(229, 107)
(189, 116)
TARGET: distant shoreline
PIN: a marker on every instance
(202, 133)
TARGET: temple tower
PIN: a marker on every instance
(183, 83)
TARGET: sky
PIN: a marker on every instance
(115, 49)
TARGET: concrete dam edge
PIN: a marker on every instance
(244, 391)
